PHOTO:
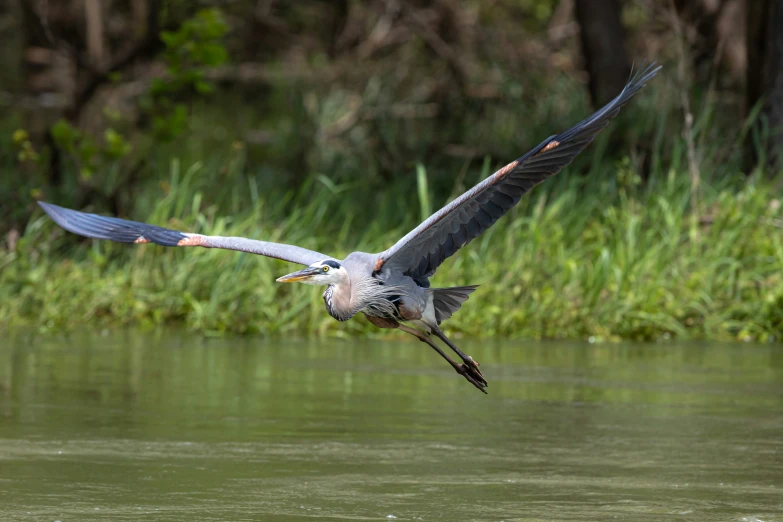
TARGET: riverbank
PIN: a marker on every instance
(577, 259)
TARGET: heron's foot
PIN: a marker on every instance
(474, 365)
(470, 370)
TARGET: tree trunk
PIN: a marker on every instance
(96, 48)
(603, 46)
(765, 70)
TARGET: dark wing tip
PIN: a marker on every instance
(645, 73)
(594, 123)
(48, 207)
(58, 214)
(83, 224)
(639, 79)
(114, 229)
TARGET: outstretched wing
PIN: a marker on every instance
(115, 229)
(422, 250)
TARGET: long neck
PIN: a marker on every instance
(338, 300)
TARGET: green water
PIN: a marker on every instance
(171, 427)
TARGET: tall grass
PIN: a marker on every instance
(582, 259)
(593, 252)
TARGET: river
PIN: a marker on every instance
(165, 426)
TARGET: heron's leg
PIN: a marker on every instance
(423, 337)
(468, 361)
(461, 369)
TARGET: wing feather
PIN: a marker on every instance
(423, 249)
(124, 231)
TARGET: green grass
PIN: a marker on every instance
(593, 252)
(578, 258)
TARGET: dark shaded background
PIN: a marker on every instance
(97, 98)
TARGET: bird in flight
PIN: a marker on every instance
(392, 288)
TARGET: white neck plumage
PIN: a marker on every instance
(337, 300)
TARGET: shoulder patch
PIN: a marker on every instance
(549, 146)
(505, 170)
(192, 240)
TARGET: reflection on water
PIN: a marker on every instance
(171, 427)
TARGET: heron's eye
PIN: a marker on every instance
(326, 268)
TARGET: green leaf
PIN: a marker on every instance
(116, 145)
(64, 135)
(203, 87)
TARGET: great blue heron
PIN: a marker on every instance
(392, 288)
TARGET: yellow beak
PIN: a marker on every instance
(301, 275)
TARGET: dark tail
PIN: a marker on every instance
(448, 300)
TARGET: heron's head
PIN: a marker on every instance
(326, 272)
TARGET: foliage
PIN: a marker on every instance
(612, 248)
(195, 46)
(103, 163)
(333, 165)
(87, 154)
(628, 262)
(25, 148)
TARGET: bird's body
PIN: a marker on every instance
(382, 294)
(360, 290)
(392, 288)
